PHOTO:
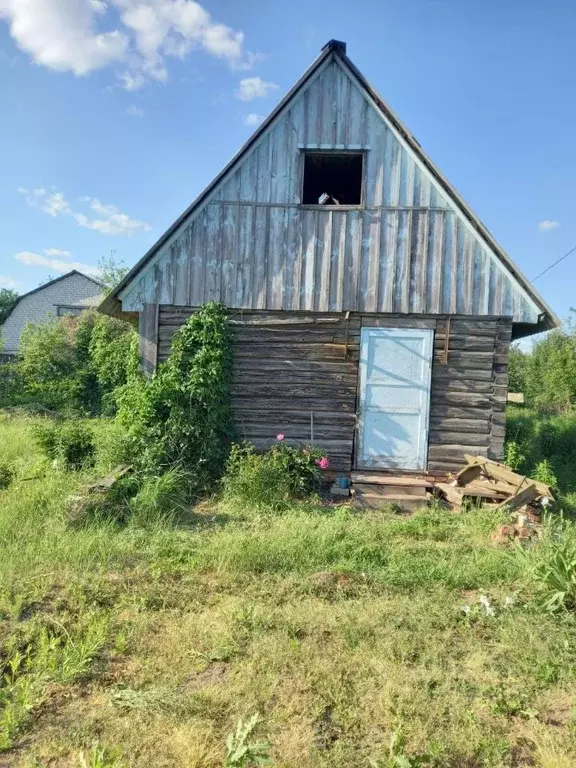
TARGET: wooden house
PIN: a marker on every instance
(373, 311)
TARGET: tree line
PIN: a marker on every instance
(546, 374)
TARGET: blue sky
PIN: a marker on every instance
(116, 114)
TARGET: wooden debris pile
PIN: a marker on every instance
(498, 487)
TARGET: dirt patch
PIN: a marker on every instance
(215, 674)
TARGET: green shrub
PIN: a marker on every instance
(513, 456)
(544, 473)
(71, 364)
(71, 443)
(274, 478)
(181, 417)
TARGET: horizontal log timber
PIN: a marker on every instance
(459, 331)
(266, 332)
(466, 385)
(470, 343)
(347, 405)
(441, 437)
(257, 391)
(454, 452)
(298, 351)
(288, 318)
(444, 465)
(478, 426)
(450, 373)
(471, 399)
(292, 431)
(471, 359)
(284, 416)
(291, 376)
(298, 366)
(458, 412)
(332, 447)
(298, 336)
(398, 321)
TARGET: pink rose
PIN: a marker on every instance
(323, 463)
(280, 437)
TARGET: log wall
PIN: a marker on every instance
(289, 365)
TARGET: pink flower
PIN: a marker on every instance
(323, 463)
(280, 437)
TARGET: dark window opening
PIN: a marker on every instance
(63, 310)
(332, 178)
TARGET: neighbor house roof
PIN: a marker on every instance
(51, 282)
(334, 48)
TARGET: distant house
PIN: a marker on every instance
(69, 294)
(372, 310)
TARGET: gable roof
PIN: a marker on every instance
(51, 282)
(337, 50)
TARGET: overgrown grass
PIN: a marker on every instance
(540, 437)
(360, 639)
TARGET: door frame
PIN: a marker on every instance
(361, 393)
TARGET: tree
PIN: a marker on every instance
(517, 364)
(551, 372)
(111, 271)
(8, 299)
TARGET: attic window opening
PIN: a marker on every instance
(332, 178)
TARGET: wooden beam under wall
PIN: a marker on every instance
(148, 329)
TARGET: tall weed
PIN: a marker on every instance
(552, 565)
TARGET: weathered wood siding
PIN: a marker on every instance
(290, 365)
(469, 386)
(407, 249)
(287, 367)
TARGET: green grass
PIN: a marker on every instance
(146, 644)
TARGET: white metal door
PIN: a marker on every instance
(395, 371)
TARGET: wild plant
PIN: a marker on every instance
(242, 751)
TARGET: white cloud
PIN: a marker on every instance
(8, 282)
(111, 221)
(253, 119)
(58, 252)
(37, 260)
(63, 35)
(251, 88)
(82, 36)
(134, 111)
(548, 224)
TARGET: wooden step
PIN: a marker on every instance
(374, 489)
(406, 502)
(375, 478)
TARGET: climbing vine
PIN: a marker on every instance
(181, 417)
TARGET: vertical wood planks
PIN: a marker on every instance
(148, 332)
(407, 249)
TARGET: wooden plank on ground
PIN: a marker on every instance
(375, 478)
(519, 499)
(502, 472)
